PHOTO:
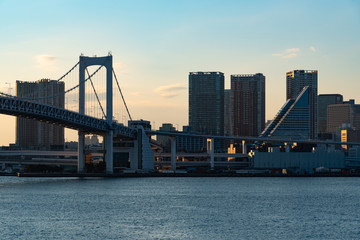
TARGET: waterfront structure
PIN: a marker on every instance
(227, 112)
(293, 119)
(300, 162)
(35, 135)
(339, 114)
(165, 140)
(324, 100)
(296, 80)
(206, 103)
(190, 144)
(348, 134)
(248, 104)
(144, 123)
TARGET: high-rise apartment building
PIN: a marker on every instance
(324, 100)
(31, 134)
(296, 80)
(248, 104)
(227, 112)
(206, 102)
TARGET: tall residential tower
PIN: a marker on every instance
(248, 104)
(206, 102)
(31, 134)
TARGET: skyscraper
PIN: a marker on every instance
(248, 104)
(324, 101)
(296, 80)
(31, 134)
(227, 112)
(293, 119)
(206, 102)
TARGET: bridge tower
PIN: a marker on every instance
(107, 63)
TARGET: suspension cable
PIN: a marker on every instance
(28, 96)
(97, 97)
(53, 96)
(117, 82)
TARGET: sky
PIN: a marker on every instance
(156, 43)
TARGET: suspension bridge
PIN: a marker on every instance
(90, 107)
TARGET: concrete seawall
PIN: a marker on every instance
(140, 175)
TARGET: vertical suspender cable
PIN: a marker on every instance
(95, 93)
(121, 94)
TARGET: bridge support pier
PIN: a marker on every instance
(244, 148)
(210, 149)
(173, 153)
(107, 63)
(109, 152)
(287, 147)
(81, 155)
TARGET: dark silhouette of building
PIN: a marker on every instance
(227, 112)
(134, 123)
(296, 80)
(324, 101)
(247, 104)
(339, 114)
(293, 119)
(31, 134)
(165, 140)
(206, 102)
(190, 144)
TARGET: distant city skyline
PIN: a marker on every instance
(156, 44)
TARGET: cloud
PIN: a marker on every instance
(170, 91)
(289, 50)
(288, 53)
(45, 61)
(313, 49)
(170, 88)
(169, 95)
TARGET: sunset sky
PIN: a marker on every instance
(155, 44)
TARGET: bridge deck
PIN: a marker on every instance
(62, 117)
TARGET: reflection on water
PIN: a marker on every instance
(179, 208)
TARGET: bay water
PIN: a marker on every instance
(179, 208)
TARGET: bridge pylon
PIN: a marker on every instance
(108, 139)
